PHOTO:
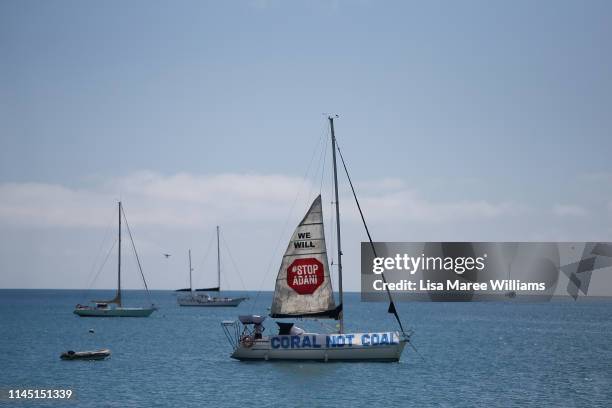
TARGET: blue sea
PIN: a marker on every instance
(469, 354)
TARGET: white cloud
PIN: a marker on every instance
(409, 205)
(189, 200)
(565, 210)
(50, 229)
(180, 200)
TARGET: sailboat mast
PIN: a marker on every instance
(190, 285)
(333, 137)
(218, 261)
(119, 261)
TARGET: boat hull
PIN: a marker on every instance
(228, 302)
(116, 312)
(322, 349)
(86, 355)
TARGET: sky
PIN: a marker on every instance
(473, 120)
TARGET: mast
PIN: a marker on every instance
(119, 261)
(218, 261)
(190, 270)
(333, 137)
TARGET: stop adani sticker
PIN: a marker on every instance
(305, 275)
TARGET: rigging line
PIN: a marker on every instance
(233, 261)
(321, 193)
(332, 232)
(417, 351)
(325, 138)
(97, 257)
(136, 254)
(98, 253)
(280, 237)
(321, 145)
(210, 242)
(327, 327)
(392, 308)
(103, 263)
(332, 218)
(323, 166)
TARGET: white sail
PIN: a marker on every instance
(303, 285)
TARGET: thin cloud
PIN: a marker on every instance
(181, 200)
(566, 210)
(409, 205)
(190, 200)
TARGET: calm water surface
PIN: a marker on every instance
(470, 354)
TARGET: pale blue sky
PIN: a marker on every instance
(473, 101)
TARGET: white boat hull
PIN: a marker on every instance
(210, 302)
(115, 312)
(276, 348)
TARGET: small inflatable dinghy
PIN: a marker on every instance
(86, 355)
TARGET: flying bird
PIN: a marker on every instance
(167, 255)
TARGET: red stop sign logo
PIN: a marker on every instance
(305, 275)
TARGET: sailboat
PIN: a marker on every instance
(103, 308)
(304, 290)
(193, 298)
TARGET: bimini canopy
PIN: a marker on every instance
(251, 319)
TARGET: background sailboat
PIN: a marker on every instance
(114, 307)
(304, 290)
(193, 298)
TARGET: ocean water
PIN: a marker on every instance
(469, 354)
